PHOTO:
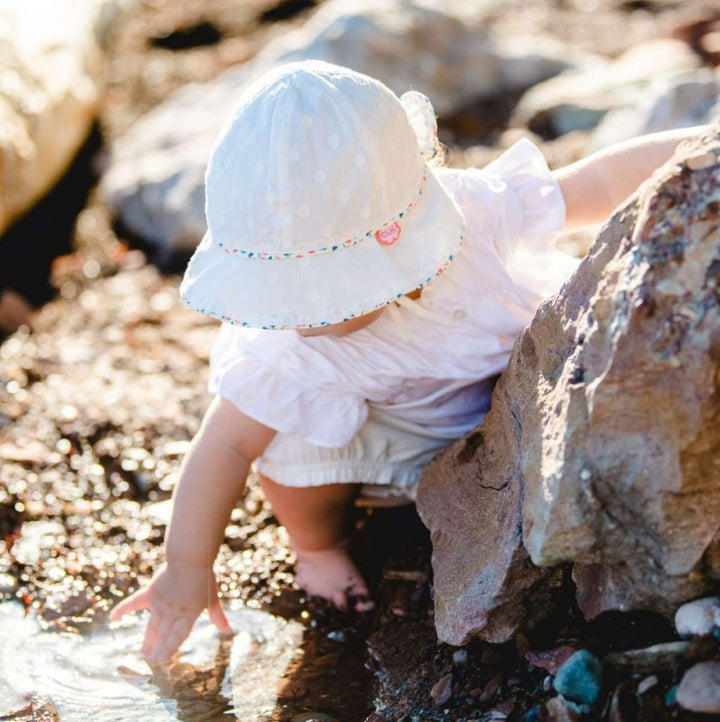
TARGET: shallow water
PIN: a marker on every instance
(102, 677)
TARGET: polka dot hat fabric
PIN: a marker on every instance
(319, 201)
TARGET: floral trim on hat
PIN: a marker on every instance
(421, 115)
(268, 256)
(274, 327)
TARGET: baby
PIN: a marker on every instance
(368, 299)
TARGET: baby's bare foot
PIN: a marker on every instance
(332, 574)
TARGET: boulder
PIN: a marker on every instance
(578, 98)
(154, 181)
(49, 62)
(601, 445)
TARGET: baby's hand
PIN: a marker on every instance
(175, 597)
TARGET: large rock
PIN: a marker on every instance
(578, 98)
(155, 178)
(49, 62)
(601, 448)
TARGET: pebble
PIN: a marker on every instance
(460, 657)
(647, 684)
(559, 710)
(700, 617)
(579, 678)
(701, 161)
(442, 690)
(699, 689)
(490, 688)
(551, 659)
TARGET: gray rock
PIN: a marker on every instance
(578, 98)
(600, 448)
(679, 100)
(155, 177)
(699, 617)
(699, 689)
(48, 96)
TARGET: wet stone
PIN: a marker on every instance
(579, 677)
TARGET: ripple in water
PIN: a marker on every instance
(101, 677)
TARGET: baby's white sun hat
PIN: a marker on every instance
(320, 203)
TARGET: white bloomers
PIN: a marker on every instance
(387, 456)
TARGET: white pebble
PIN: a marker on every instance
(699, 617)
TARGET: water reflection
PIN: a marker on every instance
(102, 677)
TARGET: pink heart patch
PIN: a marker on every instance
(388, 235)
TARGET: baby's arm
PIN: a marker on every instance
(212, 478)
(595, 186)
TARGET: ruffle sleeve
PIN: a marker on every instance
(259, 373)
(528, 207)
(514, 211)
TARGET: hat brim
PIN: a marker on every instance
(331, 287)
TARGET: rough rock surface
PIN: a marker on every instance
(155, 179)
(48, 95)
(601, 447)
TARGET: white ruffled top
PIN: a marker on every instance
(428, 362)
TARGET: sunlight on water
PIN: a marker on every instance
(102, 677)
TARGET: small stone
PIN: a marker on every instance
(532, 715)
(671, 696)
(647, 683)
(442, 690)
(490, 688)
(551, 659)
(699, 689)
(579, 678)
(338, 636)
(548, 683)
(701, 161)
(559, 710)
(460, 657)
(375, 717)
(699, 617)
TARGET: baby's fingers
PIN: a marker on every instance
(135, 602)
(218, 618)
(170, 639)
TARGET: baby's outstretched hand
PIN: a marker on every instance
(176, 596)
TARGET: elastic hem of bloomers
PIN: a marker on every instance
(378, 479)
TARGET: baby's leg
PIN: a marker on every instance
(317, 520)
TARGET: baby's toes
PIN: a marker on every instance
(364, 604)
(340, 600)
